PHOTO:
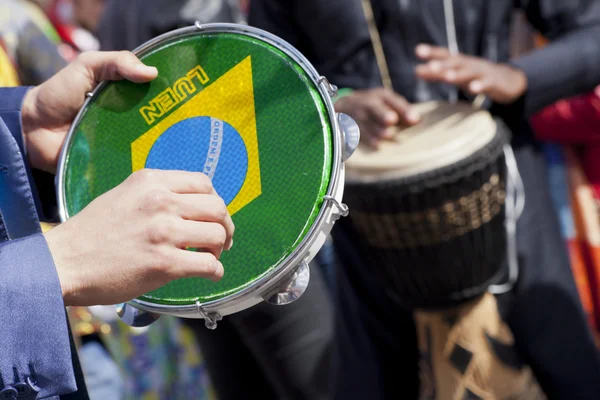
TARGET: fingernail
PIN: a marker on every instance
(413, 116)
(146, 69)
(219, 272)
(476, 86)
(435, 66)
(230, 245)
(423, 50)
(390, 117)
(388, 133)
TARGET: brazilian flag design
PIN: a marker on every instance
(233, 107)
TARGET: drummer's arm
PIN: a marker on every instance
(34, 340)
(569, 64)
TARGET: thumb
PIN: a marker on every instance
(115, 65)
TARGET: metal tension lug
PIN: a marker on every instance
(135, 317)
(295, 287)
(350, 133)
(331, 89)
(210, 319)
(342, 210)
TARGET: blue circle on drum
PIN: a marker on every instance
(204, 144)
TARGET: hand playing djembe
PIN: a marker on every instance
(379, 111)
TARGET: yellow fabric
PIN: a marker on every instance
(8, 73)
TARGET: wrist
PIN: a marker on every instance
(28, 112)
(64, 278)
(520, 79)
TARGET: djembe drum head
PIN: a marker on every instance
(428, 206)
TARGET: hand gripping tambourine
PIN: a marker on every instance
(249, 111)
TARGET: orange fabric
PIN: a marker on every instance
(586, 263)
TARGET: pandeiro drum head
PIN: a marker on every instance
(245, 109)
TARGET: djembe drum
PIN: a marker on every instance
(430, 207)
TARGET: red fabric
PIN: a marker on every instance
(64, 28)
(575, 121)
(570, 121)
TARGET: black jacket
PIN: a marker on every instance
(333, 35)
(127, 24)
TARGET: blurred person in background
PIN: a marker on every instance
(571, 130)
(376, 354)
(74, 22)
(568, 131)
(267, 351)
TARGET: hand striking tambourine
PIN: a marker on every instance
(249, 111)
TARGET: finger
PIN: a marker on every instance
(182, 182)
(431, 71)
(196, 264)
(208, 236)
(206, 208)
(462, 77)
(428, 52)
(479, 86)
(437, 68)
(379, 113)
(371, 134)
(115, 65)
(407, 114)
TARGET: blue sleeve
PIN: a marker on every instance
(11, 100)
(34, 339)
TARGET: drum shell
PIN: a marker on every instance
(438, 238)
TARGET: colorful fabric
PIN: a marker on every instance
(161, 362)
(587, 222)
(573, 125)
(38, 17)
(26, 40)
(571, 196)
(8, 71)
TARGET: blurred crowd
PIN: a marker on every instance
(262, 352)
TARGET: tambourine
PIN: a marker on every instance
(248, 110)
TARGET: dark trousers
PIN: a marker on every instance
(272, 352)
(375, 348)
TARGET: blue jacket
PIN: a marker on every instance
(35, 350)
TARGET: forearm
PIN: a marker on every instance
(564, 68)
(34, 340)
